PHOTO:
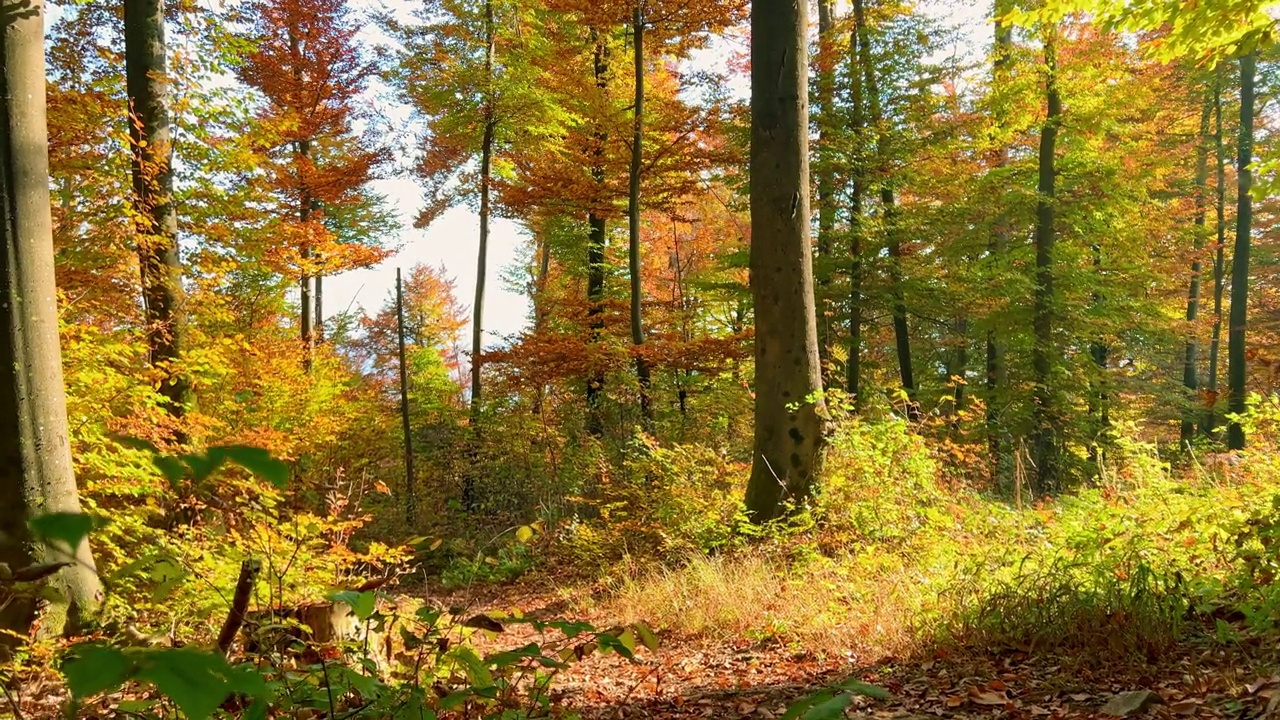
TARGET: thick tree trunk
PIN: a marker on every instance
(1046, 445)
(889, 215)
(1210, 423)
(596, 238)
(997, 440)
(1190, 355)
(1236, 370)
(35, 458)
(633, 222)
(789, 411)
(156, 220)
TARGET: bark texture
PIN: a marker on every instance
(789, 412)
(35, 458)
(1236, 365)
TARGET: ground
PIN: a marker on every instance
(703, 678)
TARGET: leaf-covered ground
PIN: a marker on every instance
(699, 678)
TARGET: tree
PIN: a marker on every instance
(1236, 374)
(789, 411)
(1046, 424)
(155, 216)
(35, 459)
(308, 66)
(1191, 351)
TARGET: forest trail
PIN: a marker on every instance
(738, 679)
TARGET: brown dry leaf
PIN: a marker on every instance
(1186, 707)
(1037, 710)
(990, 699)
(954, 701)
(997, 686)
(746, 708)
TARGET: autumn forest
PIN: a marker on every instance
(881, 359)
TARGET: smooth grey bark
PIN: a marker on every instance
(36, 476)
(306, 206)
(789, 410)
(1191, 351)
(1209, 425)
(889, 215)
(633, 221)
(155, 217)
(1236, 363)
(1046, 422)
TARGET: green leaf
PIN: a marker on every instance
(362, 604)
(196, 680)
(171, 467)
(69, 529)
(257, 461)
(647, 635)
(857, 687)
(829, 709)
(202, 466)
(477, 673)
(92, 668)
(136, 444)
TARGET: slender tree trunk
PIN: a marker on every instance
(1190, 356)
(409, 498)
(35, 458)
(997, 441)
(1046, 422)
(486, 181)
(1236, 369)
(156, 220)
(596, 239)
(858, 121)
(1099, 399)
(633, 218)
(318, 330)
(959, 369)
(789, 411)
(306, 205)
(826, 172)
(889, 215)
(1209, 426)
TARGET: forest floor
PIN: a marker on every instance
(739, 678)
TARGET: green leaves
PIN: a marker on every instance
(201, 466)
(362, 604)
(197, 681)
(829, 704)
(65, 529)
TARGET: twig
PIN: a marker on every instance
(249, 570)
(17, 711)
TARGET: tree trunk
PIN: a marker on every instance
(1236, 371)
(409, 497)
(826, 171)
(486, 181)
(858, 121)
(318, 329)
(302, 150)
(997, 442)
(1099, 400)
(35, 458)
(596, 238)
(889, 214)
(155, 218)
(1209, 426)
(633, 218)
(789, 410)
(1190, 356)
(1046, 442)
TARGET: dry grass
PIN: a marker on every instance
(824, 606)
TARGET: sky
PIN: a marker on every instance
(452, 240)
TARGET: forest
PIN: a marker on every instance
(882, 359)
